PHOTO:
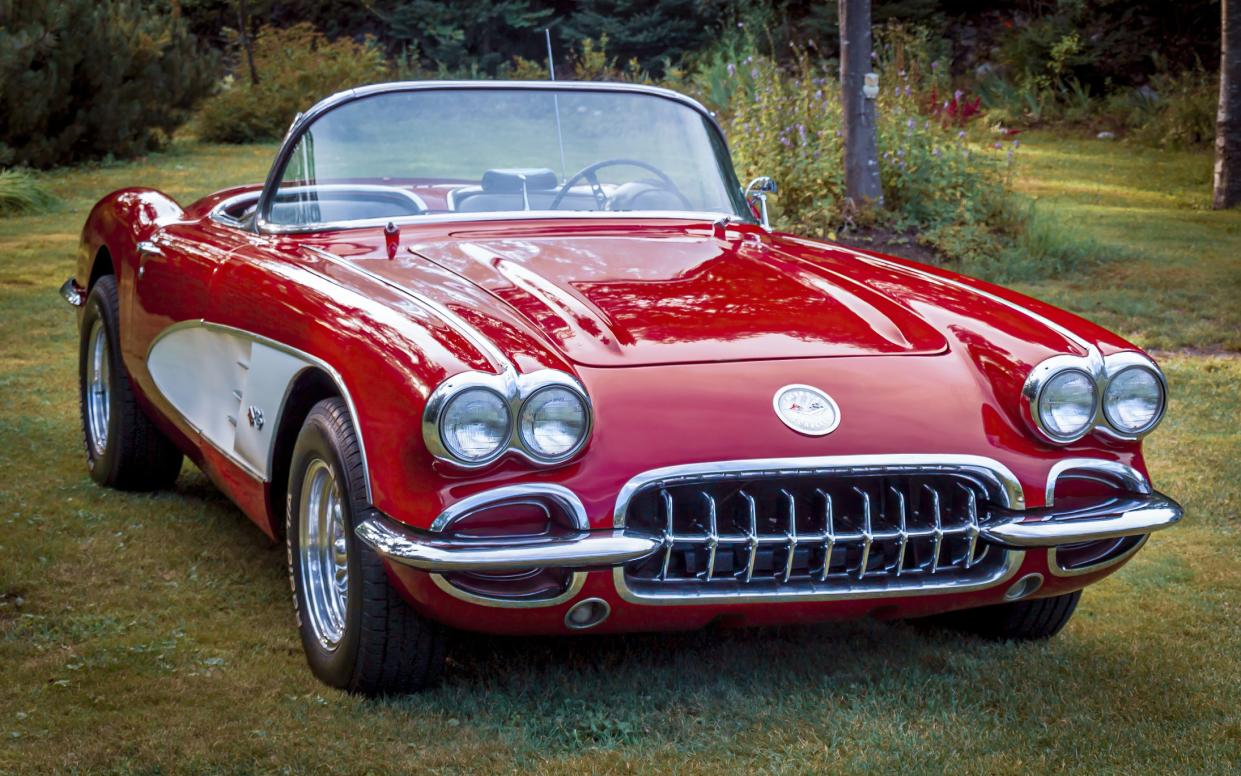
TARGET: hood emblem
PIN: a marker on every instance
(806, 410)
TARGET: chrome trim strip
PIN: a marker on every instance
(474, 503)
(1128, 517)
(515, 389)
(814, 590)
(149, 248)
(576, 583)
(1113, 471)
(1005, 485)
(486, 347)
(309, 359)
(1057, 570)
(509, 215)
(72, 293)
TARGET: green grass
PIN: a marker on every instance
(22, 193)
(154, 632)
(1172, 278)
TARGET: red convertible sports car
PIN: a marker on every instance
(526, 358)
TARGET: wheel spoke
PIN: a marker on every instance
(98, 392)
(323, 553)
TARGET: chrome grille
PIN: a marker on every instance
(774, 532)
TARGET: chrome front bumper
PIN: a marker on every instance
(1113, 519)
(446, 553)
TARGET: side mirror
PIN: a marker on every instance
(756, 195)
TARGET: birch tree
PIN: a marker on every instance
(1228, 119)
(862, 184)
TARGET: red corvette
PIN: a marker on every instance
(526, 358)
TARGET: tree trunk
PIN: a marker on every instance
(1228, 120)
(243, 22)
(861, 157)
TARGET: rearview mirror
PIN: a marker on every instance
(756, 195)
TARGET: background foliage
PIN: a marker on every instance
(298, 66)
(81, 79)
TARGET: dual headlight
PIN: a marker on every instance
(475, 418)
(1069, 396)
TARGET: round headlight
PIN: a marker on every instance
(1066, 405)
(475, 424)
(553, 422)
(1134, 400)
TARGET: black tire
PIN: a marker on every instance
(385, 646)
(130, 453)
(1032, 620)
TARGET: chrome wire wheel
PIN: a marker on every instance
(323, 553)
(98, 387)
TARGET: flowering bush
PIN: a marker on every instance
(788, 126)
(937, 183)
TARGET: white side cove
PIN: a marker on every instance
(231, 386)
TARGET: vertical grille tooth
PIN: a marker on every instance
(669, 533)
(790, 534)
(938, 517)
(713, 534)
(971, 510)
(751, 536)
(899, 498)
(866, 531)
(829, 534)
(775, 532)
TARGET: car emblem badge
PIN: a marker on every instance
(807, 410)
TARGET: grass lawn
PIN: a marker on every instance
(154, 632)
(1175, 281)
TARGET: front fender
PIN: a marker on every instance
(115, 226)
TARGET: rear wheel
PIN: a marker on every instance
(1038, 618)
(358, 633)
(123, 448)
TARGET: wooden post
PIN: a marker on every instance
(1228, 119)
(861, 157)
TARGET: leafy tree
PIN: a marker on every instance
(655, 32)
(82, 79)
(297, 67)
(478, 34)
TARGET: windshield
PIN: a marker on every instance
(504, 150)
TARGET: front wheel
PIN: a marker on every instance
(123, 448)
(1037, 618)
(358, 633)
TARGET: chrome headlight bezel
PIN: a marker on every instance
(515, 389)
(452, 401)
(1118, 365)
(1040, 377)
(1101, 369)
(526, 407)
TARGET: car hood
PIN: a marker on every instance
(663, 297)
(613, 294)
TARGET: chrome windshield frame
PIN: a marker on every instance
(305, 119)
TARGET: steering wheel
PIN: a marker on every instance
(589, 173)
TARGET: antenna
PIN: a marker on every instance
(551, 69)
